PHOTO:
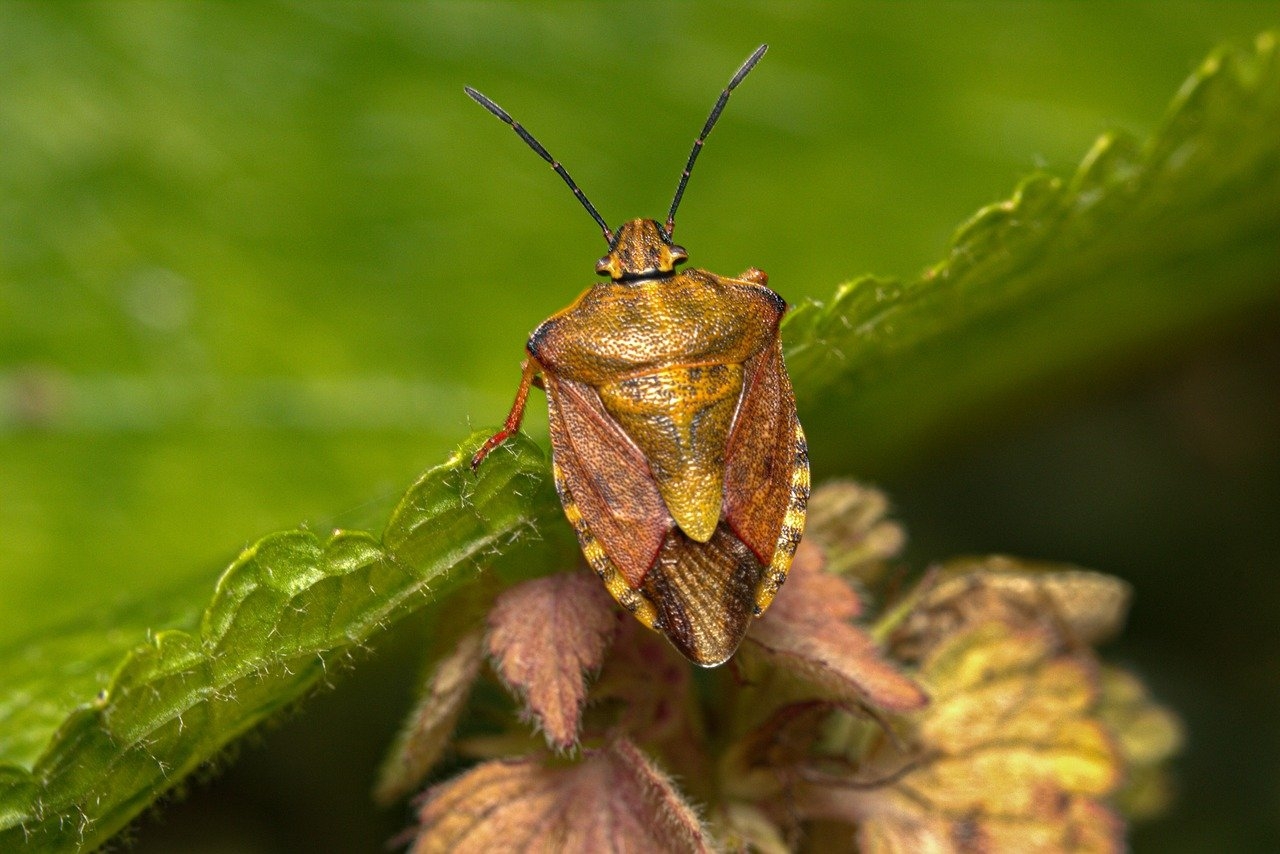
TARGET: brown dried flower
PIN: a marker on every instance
(982, 722)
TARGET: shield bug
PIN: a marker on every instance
(676, 449)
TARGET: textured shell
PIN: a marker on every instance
(678, 456)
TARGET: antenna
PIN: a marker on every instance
(542, 152)
(706, 129)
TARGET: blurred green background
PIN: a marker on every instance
(261, 264)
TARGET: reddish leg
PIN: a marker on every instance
(528, 370)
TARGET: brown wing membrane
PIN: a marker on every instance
(607, 478)
(704, 593)
(767, 470)
(701, 595)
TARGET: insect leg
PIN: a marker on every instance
(528, 371)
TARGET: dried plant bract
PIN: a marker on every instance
(967, 713)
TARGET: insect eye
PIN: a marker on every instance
(604, 267)
(678, 254)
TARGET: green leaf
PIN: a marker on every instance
(96, 723)
(1143, 243)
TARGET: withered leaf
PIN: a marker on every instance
(1074, 824)
(808, 632)
(757, 767)
(613, 800)
(427, 731)
(1085, 607)
(1147, 732)
(1010, 754)
(645, 689)
(545, 635)
(1148, 735)
(847, 521)
(743, 827)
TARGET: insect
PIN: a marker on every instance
(676, 449)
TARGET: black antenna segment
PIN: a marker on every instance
(706, 130)
(545, 155)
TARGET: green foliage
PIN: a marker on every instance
(99, 718)
(1142, 243)
(82, 754)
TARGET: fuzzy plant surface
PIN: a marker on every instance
(970, 714)
(872, 722)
